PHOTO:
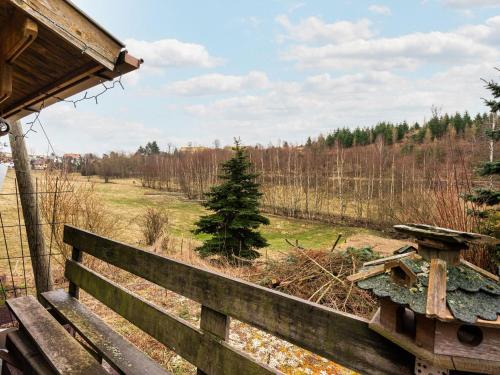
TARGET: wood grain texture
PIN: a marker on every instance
(436, 291)
(480, 270)
(26, 354)
(375, 262)
(64, 354)
(31, 210)
(74, 27)
(17, 34)
(117, 351)
(447, 343)
(77, 256)
(343, 338)
(425, 332)
(214, 323)
(375, 270)
(210, 355)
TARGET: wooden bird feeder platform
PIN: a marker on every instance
(436, 305)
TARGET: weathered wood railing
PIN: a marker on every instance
(340, 337)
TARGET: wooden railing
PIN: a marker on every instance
(340, 337)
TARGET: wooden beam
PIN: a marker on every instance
(31, 211)
(78, 81)
(386, 259)
(75, 27)
(16, 35)
(480, 270)
(436, 291)
(343, 338)
(63, 353)
(211, 355)
(5, 81)
(375, 270)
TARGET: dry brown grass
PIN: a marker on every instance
(154, 223)
(78, 204)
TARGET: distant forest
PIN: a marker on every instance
(376, 176)
(437, 127)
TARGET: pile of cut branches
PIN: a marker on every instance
(320, 277)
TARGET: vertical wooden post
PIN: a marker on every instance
(36, 242)
(73, 289)
(215, 323)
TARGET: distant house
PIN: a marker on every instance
(193, 149)
(72, 157)
(39, 163)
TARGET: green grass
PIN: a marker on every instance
(128, 201)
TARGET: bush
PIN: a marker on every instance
(154, 222)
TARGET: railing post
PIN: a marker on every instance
(77, 256)
(215, 323)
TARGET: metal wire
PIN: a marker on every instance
(20, 236)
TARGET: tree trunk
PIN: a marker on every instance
(39, 256)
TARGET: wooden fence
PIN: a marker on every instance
(340, 337)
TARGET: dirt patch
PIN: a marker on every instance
(381, 245)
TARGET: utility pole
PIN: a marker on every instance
(36, 242)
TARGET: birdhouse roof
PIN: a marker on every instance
(472, 294)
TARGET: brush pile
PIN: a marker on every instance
(320, 277)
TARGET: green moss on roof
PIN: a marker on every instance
(469, 294)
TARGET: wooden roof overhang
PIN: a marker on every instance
(49, 51)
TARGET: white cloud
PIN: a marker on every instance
(380, 9)
(314, 29)
(166, 53)
(79, 130)
(465, 45)
(472, 3)
(294, 110)
(210, 84)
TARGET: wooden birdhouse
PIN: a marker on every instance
(437, 306)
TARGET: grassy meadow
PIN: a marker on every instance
(124, 202)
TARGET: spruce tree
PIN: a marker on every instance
(235, 218)
(489, 198)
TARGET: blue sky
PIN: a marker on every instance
(279, 69)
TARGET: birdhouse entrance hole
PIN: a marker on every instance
(470, 335)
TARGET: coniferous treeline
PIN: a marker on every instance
(436, 127)
(377, 176)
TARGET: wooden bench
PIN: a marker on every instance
(337, 336)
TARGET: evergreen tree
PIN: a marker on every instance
(489, 197)
(235, 218)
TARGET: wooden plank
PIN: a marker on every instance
(375, 270)
(210, 355)
(117, 351)
(17, 34)
(78, 81)
(64, 19)
(409, 344)
(63, 352)
(447, 343)
(343, 338)
(386, 259)
(425, 332)
(479, 270)
(77, 256)
(215, 323)
(436, 291)
(31, 211)
(5, 81)
(26, 354)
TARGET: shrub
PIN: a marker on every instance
(154, 222)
